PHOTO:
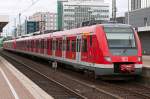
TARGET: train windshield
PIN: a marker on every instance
(121, 40)
(120, 37)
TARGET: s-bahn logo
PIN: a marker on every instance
(124, 59)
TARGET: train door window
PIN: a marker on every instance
(60, 45)
(64, 45)
(45, 44)
(42, 44)
(73, 46)
(51, 44)
(32, 44)
(91, 40)
(57, 45)
(39, 46)
(28, 44)
(48, 43)
(36, 43)
(68, 45)
(54, 44)
(84, 45)
(78, 45)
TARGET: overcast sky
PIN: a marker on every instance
(13, 7)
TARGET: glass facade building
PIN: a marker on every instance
(72, 13)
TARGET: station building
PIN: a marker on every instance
(139, 17)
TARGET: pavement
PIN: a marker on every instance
(146, 61)
(15, 85)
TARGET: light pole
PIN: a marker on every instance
(128, 12)
(19, 32)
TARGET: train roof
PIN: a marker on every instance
(72, 31)
(116, 25)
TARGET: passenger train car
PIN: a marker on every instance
(104, 49)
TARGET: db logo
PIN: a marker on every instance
(124, 59)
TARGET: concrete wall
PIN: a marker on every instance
(136, 17)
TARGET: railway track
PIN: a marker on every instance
(88, 89)
(54, 88)
(72, 89)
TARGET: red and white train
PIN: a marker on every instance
(105, 49)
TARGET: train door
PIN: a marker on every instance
(45, 46)
(73, 48)
(54, 47)
(64, 47)
(78, 48)
(84, 53)
(32, 45)
(50, 43)
(68, 48)
(39, 47)
(59, 47)
(48, 46)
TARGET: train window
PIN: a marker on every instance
(57, 45)
(51, 44)
(68, 45)
(48, 44)
(90, 40)
(54, 45)
(37, 43)
(60, 45)
(42, 44)
(84, 45)
(64, 45)
(73, 46)
(45, 44)
(32, 44)
(28, 44)
(78, 45)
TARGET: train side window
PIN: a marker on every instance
(64, 45)
(42, 43)
(45, 44)
(54, 44)
(90, 40)
(36, 43)
(39, 46)
(51, 45)
(84, 45)
(68, 45)
(60, 45)
(57, 45)
(73, 46)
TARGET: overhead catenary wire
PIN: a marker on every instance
(26, 9)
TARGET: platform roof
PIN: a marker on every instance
(4, 19)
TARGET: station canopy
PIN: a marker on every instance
(3, 21)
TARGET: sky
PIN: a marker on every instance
(13, 7)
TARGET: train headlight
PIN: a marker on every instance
(139, 59)
(107, 58)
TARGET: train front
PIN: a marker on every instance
(122, 50)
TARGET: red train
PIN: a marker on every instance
(104, 49)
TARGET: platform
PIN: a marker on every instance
(15, 85)
(146, 61)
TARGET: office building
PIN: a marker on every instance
(72, 12)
